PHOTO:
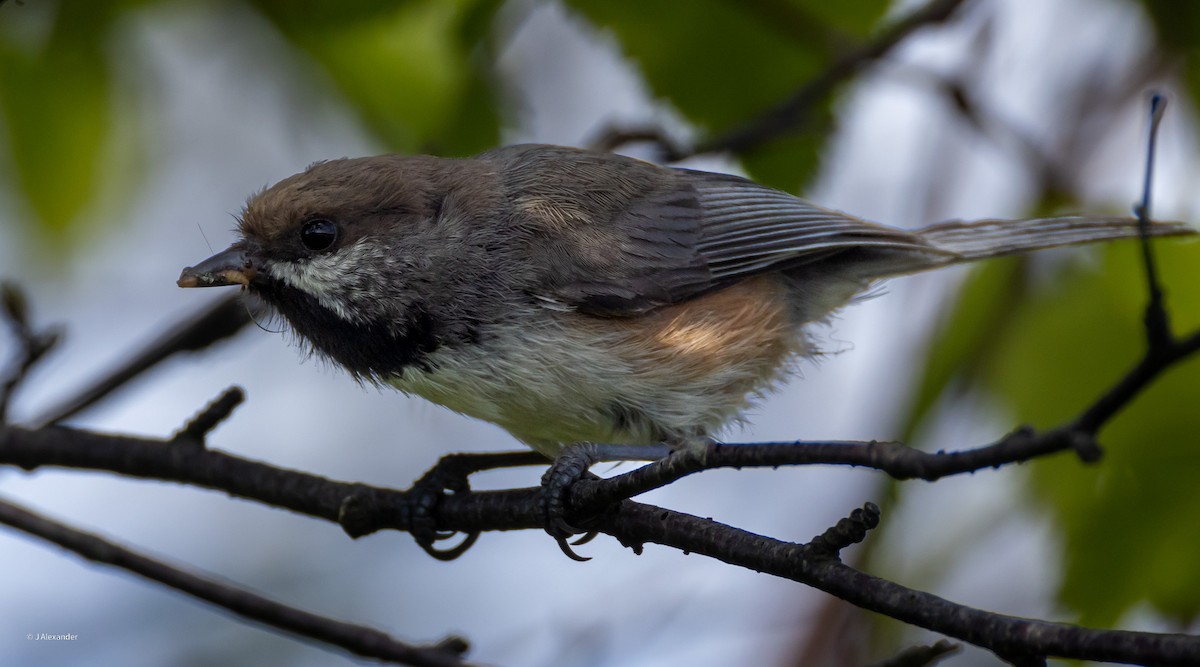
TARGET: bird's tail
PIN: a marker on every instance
(980, 239)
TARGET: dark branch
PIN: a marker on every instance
(211, 416)
(792, 112)
(31, 345)
(633, 524)
(356, 639)
(1158, 328)
(846, 532)
(62, 446)
(611, 138)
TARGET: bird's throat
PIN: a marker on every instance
(372, 349)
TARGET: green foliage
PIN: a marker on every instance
(409, 68)
(417, 72)
(1052, 355)
(55, 106)
(722, 62)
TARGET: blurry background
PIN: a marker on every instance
(131, 132)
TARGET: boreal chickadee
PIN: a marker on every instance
(575, 296)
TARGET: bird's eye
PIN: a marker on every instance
(319, 234)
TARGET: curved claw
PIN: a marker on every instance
(428, 492)
(585, 538)
(451, 553)
(568, 468)
(569, 552)
(558, 528)
(450, 476)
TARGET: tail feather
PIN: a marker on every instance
(980, 239)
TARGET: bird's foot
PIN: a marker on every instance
(450, 477)
(569, 467)
(444, 478)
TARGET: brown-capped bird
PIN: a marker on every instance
(575, 296)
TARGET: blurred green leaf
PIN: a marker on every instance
(721, 62)
(1056, 352)
(1121, 517)
(54, 101)
(411, 69)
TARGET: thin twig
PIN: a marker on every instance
(1158, 327)
(211, 416)
(31, 345)
(790, 113)
(847, 531)
(613, 137)
(356, 639)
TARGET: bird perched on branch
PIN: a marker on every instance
(573, 296)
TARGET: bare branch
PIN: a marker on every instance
(613, 137)
(1158, 328)
(211, 416)
(790, 113)
(846, 532)
(31, 345)
(356, 639)
(149, 458)
(633, 524)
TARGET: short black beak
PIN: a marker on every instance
(231, 266)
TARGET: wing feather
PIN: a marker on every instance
(628, 236)
(749, 229)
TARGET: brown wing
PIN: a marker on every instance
(618, 236)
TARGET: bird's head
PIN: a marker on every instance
(363, 257)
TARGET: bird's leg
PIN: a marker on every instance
(450, 476)
(570, 466)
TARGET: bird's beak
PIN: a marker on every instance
(232, 266)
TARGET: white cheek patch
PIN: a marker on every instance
(333, 279)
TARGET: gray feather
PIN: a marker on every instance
(749, 229)
(992, 238)
(629, 236)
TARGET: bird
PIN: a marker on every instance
(574, 296)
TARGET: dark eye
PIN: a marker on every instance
(319, 234)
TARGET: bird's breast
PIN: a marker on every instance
(554, 378)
